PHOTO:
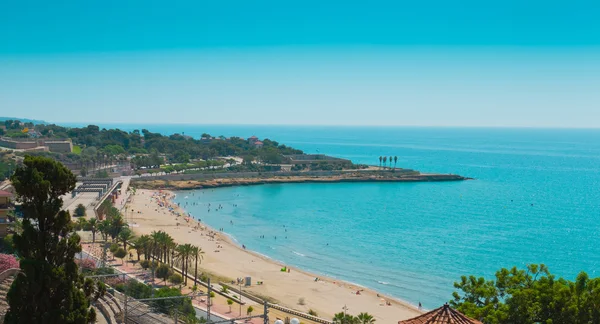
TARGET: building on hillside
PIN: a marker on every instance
(59, 146)
(39, 144)
(5, 207)
(253, 139)
(258, 144)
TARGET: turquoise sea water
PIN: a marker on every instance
(536, 200)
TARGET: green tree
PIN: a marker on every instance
(113, 248)
(121, 254)
(249, 310)
(229, 302)
(49, 288)
(395, 161)
(176, 279)
(167, 306)
(384, 161)
(163, 272)
(80, 210)
(380, 160)
(530, 295)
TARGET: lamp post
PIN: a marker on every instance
(240, 292)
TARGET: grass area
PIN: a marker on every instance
(77, 149)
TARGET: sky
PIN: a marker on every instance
(417, 63)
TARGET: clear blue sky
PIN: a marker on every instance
(452, 63)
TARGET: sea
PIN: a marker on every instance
(535, 199)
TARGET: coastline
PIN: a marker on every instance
(327, 296)
(200, 181)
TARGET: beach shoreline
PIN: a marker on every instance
(326, 296)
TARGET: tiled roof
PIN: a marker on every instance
(5, 193)
(442, 315)
(258, 143)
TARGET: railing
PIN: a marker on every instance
(281, 308)
(9, 272)
(5, 274)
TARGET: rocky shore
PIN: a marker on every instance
(173, 182)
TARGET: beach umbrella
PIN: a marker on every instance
(278, 322)
(442, 315)
(295, 321)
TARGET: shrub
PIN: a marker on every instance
(176, 279)
(212, 294)
(249, 310)
(86, 265)
(120, 253)
(7, 244)
(145, 264)
(113, 248)
(135, 289)
(104, 271)
(163, 272)
(312, 312)
(167, 306)
(224, 289)
(80, 210)
(8, 261)
(301, 301)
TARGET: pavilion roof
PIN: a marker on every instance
(442, 315)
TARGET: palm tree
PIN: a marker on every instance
(125, 236)
(184, 255)
(198, 255)
(104, 229)
(171, 249)
(94, 228)
(380, 159)
(384, 161)
(365, 318)
(181, 255)
(390, 161)
(142, 246)
(139, 245)
(395, 161)
(81, 223)
(341, 318)
(116, 225)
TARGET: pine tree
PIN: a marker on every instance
(49, 288)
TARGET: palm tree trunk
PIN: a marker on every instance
(196, 272)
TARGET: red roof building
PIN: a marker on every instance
(442, 315)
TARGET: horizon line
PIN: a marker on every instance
(335, 125)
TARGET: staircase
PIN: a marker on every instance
(6, 279)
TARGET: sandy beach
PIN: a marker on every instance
(222, 257)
